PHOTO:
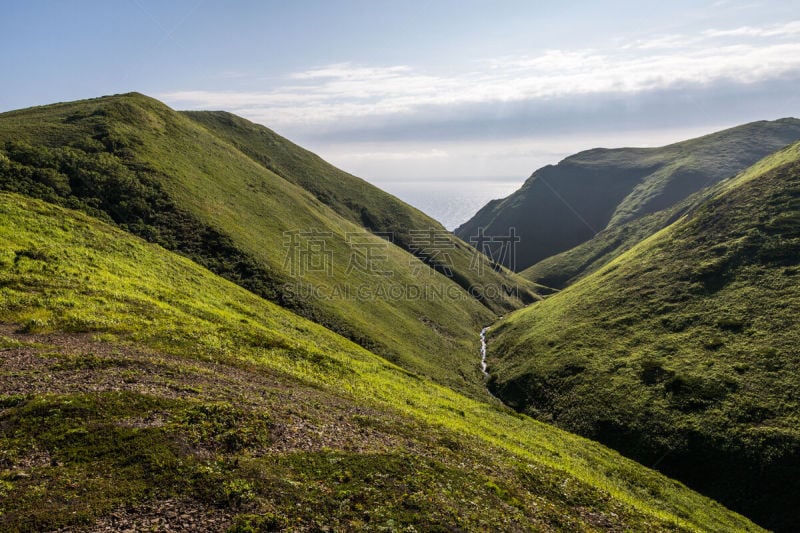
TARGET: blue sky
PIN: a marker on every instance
(423, 90)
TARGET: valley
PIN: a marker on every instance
(199, 315)
(132, 375)
(681, 351)
(399, 267)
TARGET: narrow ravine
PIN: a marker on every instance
(483, 352)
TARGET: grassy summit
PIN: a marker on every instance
(297, 232)
(560, 207)
(135, 381)
(683, 351)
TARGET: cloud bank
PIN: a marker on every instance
(345, 95)
(714, 78)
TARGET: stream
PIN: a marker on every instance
(483, 351)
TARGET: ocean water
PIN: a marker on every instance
(451, 202)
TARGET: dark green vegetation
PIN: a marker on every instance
(273, 218)
(562, 206)
(683, 351)
(132, 376)
(563, 269)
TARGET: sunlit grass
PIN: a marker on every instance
(682, 352)
(66, 272)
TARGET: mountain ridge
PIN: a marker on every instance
(562, 206)
(360, 202)
(136, 381)
(155, 172)
(681, 351)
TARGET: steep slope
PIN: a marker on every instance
(369, 206)
(562, 206)
(139, 389)
(156, 173)
(563, 269)
(683, 351)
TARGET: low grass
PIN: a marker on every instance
(210, 393)
(564, 269)
(366, 205)
(682, 352)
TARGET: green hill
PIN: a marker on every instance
(683, 352)
(372, 208)
(293, 236)
(563, 269)
(139, 390)
(560, 207)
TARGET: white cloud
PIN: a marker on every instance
(706, 38)
(480, 159)
(777, 30)
(345, 70)
(344, 94)
(394, 155)
(676, 41)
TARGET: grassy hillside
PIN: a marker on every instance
(370, 207)
(138, 388)
(563, 269)
(562, 206)
(133, 161)
(683, 352)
